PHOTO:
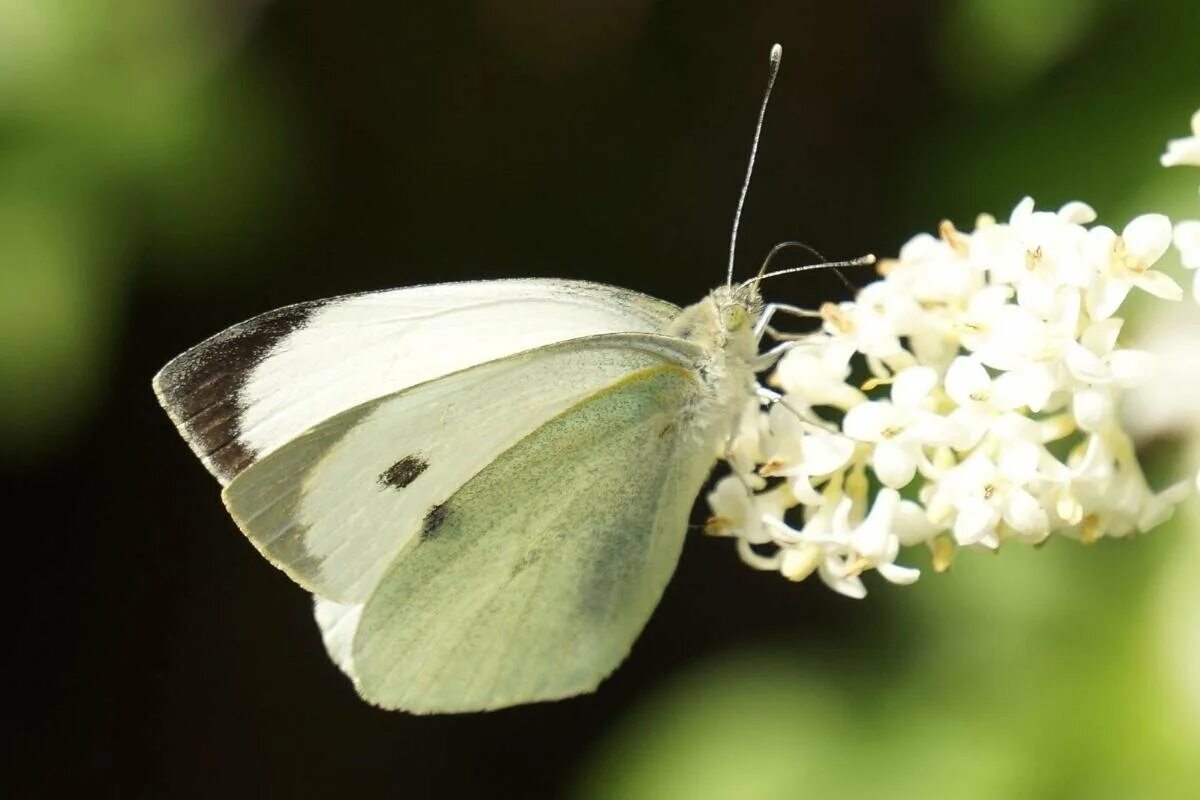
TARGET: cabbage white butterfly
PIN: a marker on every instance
(485, 485)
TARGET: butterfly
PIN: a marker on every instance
(485, 485)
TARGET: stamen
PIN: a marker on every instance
(951, 236)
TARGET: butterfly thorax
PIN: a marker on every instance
(722, 325)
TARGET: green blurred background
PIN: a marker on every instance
(167, 169)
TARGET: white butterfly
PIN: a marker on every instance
(485, 485)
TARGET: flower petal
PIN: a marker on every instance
(976, 519)
(1009, 391)
(849, 585)
(867, 421)
(871, 537)
(1184, 151)
(1147, 237)
(1019, 462)
(801, 486)
(913, 385)
(1101, 337)
(894, 464)
(1131, 367)
(823, 453)
(966, 380)
(1025, 514)
(1022, 211)
(1085, 365)
(1105, 296)
(901, 576)
(912, 526)
(1077, 213)
(1092, 408)
(1159, 284)
(797, 563)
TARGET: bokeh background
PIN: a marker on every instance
(168, 169)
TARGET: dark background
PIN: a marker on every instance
(167, 174)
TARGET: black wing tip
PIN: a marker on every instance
(199, 388)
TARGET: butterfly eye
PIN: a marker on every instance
(734, 318)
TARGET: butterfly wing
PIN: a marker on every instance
(532, 581)
(336, 504)
(261, 383)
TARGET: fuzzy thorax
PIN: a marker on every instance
(722, 325)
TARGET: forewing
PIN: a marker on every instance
(259, 384)
(335, 505)
(533, 580)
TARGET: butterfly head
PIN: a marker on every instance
(723, 322)
(738, 307)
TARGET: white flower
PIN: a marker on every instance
(1124, 262)
(1038, 252)
(1186, 150)
(1187, 242)
(746, 449)
(1096, 366)
(821, 545)
(1020, 341)
(874, 323)
(800, 452)
(937, 270)
(875, 542)
(1109, 483)
(982, 317)
(815, 374)
(839, 552)
(983, 493)
(901, 427)
(981, 399)
(739, 512)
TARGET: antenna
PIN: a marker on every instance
(861, 261)
(866, 260)
(776, 57)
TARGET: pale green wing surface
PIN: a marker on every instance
(335, 505)
(532, 581)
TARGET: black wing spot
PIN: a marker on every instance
(433, 521)
(404, 471)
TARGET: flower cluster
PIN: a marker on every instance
(966, 399)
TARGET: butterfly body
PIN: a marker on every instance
(722, 326)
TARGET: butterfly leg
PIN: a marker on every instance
(767, 360)
(771, 397)
(763, 326)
